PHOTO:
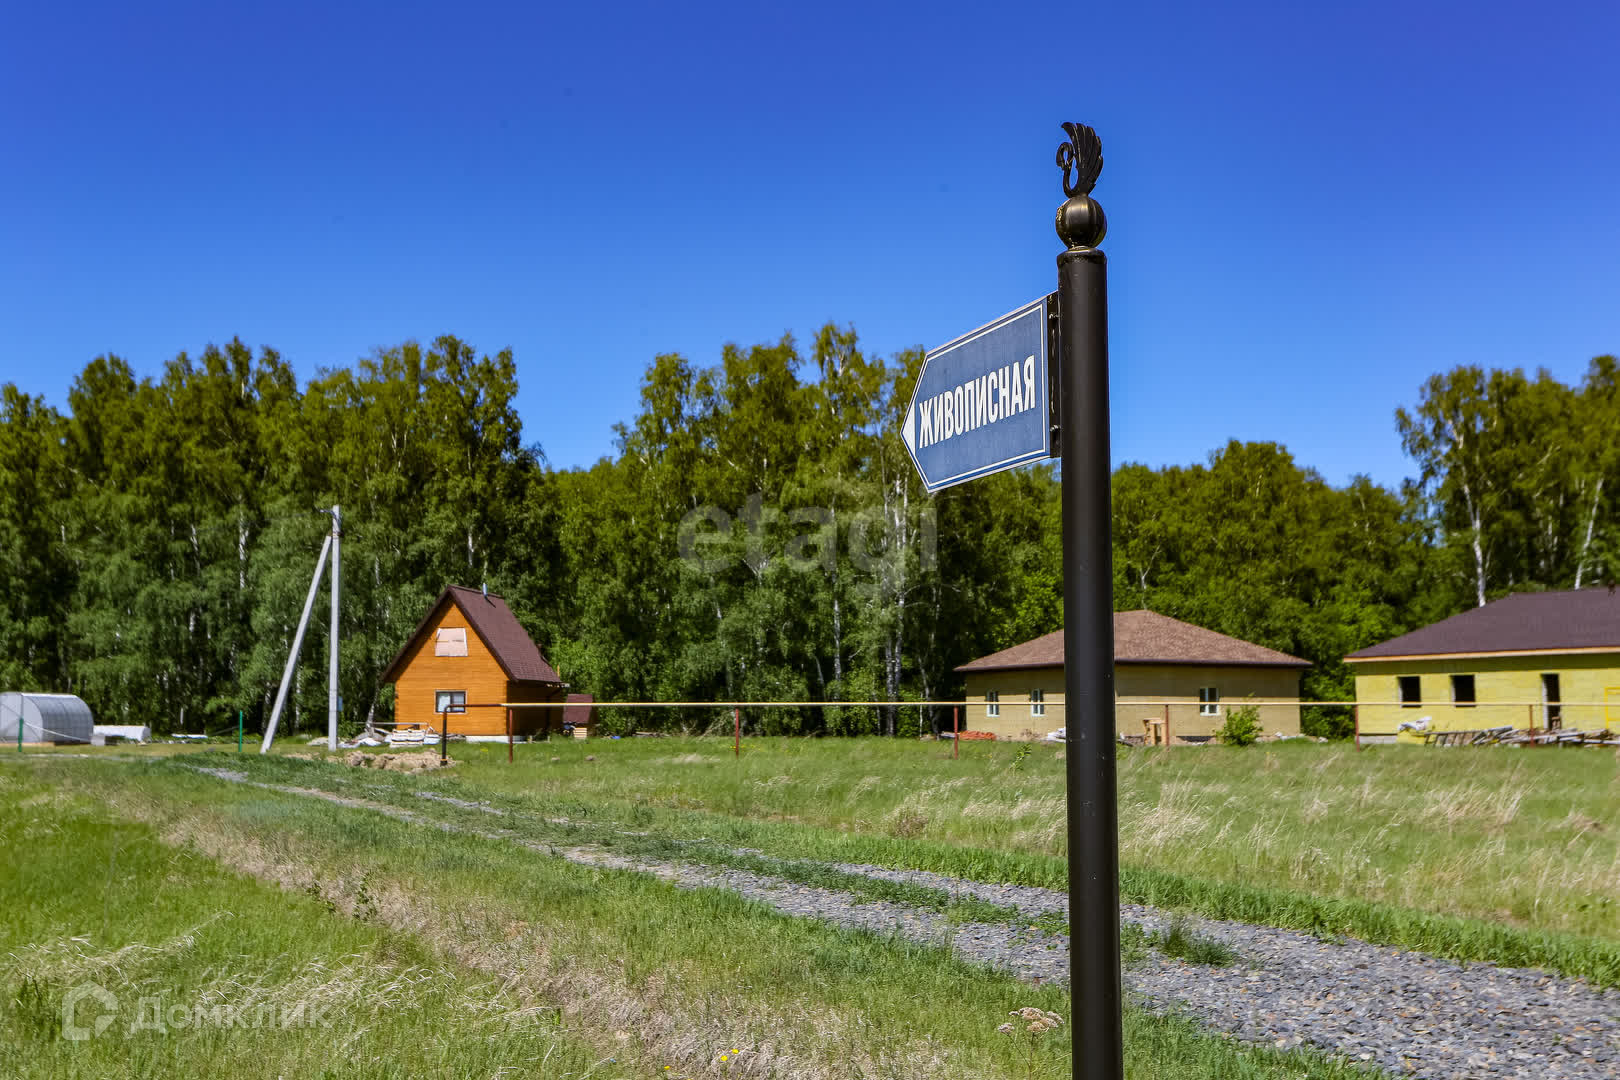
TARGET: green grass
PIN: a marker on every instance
(570, 823)
(632, 967)
(604, 799)
(1181, 941)
(284, 986)
(1523, 839)
(1526, 837)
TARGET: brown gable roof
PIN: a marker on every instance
(578, 710)
(1144, 637)
(495, 626)
(1586, 619)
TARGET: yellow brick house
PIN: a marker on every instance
(1164, 669)
(1544, 660)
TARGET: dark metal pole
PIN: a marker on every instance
(956, 731)
(509, 736)
(1088, 619)
(444, 736)
(736, 742)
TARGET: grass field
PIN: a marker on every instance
(93, 900)
(1526, 839)
(447, 953)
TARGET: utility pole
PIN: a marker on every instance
(332, 665)
(1088, 618)
(292, 655)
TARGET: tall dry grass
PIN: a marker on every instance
(1530, 838)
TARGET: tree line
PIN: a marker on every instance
(759, 533)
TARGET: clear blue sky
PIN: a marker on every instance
(1312, 206)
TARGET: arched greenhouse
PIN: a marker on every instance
(54, 718)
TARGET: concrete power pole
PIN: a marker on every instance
(292, 655)
(332, 666)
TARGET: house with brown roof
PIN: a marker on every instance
(1544, 660)
(1165, 670)
(470, 650)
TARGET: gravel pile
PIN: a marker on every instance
(1410, 1013)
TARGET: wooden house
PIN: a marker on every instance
(471, 651)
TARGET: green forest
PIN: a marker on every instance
(759, 534)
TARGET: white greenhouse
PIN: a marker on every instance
(53, 718)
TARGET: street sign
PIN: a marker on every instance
(982, 402)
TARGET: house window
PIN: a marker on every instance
(1462, 689)
(1208, 701)
(450, 641)
(449, 701)
(1037, 703)
(992, 703)
(1411, 691)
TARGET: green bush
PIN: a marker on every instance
(1242, 726)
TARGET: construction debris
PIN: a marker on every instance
(1511, 736)
(405, 763)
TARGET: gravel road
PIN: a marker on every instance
(1410, 1013)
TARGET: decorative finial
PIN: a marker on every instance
(1080, 221)
(1083, 153)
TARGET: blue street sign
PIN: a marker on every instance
(982, 401)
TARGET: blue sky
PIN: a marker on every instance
(1311, 207)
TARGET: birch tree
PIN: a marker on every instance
(1452, 435)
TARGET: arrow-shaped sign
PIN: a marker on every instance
(982, 401)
